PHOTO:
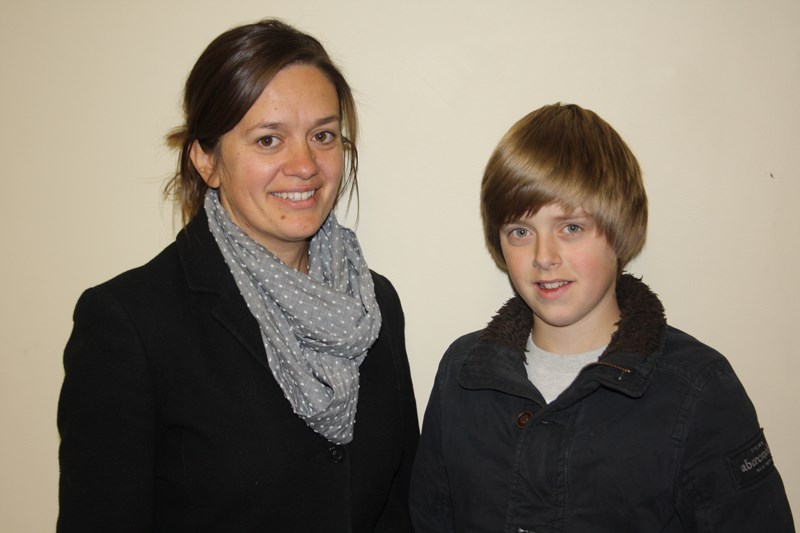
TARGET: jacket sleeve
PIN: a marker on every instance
(430, 502)
(106, 418)
(728, 482)
(395, 516)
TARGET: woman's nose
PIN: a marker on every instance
(301, 161)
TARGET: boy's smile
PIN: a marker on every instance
(566, 272)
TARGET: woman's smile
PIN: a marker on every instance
(278, 170)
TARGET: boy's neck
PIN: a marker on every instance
(581, 337)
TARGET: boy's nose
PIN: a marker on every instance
(546, 254)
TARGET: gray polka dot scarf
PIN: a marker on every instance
(316, 328)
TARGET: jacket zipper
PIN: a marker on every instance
(622, 370)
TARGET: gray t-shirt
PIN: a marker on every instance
(551, 373)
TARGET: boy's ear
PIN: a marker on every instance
(204, 163)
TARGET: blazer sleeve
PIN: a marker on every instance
(106, 418)
(396, 516)
(728, 481)
(430, 502)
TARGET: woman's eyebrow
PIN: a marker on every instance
(280, 125)
(327, 120)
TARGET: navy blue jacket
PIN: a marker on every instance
(658, 436)
(171, 420)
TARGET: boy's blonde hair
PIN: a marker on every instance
(567, 155)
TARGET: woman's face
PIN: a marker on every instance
(280, 166)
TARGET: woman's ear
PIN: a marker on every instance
(204, 163)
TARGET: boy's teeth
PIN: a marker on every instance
(294, 196)
(553, 285)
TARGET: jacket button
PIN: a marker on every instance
(335, 454)
(523, 418)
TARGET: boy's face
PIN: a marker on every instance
(566, 272)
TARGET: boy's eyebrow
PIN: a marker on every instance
(573, 216)
(578, 212)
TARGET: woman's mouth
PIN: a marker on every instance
(295, 196)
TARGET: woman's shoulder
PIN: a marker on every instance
(144, 278)
(164, 271)
(385, 293)
(382, 283)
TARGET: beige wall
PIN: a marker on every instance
(705, 93)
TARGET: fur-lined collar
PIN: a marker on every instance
(638, 330)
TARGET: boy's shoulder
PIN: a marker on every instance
(690, 358)
(461, 347)
(480, 356)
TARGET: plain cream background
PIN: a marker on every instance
(705, 92)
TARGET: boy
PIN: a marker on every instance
(578, 408)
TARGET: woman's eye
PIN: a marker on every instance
(325, 137)
(518, 233)
(268, 141)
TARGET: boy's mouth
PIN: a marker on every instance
(550, 285)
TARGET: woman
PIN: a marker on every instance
(253, 376)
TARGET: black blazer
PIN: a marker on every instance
(171, 420)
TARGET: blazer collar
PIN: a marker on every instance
(206, 272)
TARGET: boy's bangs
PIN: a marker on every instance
(527, 195)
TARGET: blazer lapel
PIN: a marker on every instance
(206, 272)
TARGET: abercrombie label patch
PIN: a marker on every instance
(751, 462)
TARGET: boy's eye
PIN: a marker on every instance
(518, 233)
(572, 228)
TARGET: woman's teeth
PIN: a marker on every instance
(295, 196)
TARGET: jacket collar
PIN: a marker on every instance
(497, 360)
(207, 273)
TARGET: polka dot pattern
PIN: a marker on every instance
(316, 328)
